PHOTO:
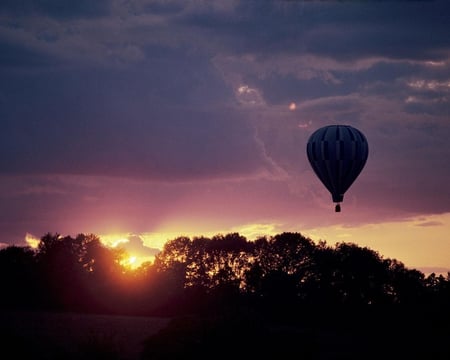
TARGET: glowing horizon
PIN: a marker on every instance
(387, 238)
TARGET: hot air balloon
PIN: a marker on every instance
(337, 154)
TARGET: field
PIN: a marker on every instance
(39, 335)
(324, 336)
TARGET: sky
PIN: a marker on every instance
(144, 120)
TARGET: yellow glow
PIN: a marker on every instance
(32, 240)
(157, 239)
(113, 240)
(419, 242)
(132, 262)
(252, 231)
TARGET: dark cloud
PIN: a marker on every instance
(18, 56)
(160, 145)
(160, 120)
(279, 89)
(400, 31)
(56, 8)
(341, 30)
(162, 7)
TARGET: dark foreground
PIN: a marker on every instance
(70, 336)
(320, 334)
(344, 334)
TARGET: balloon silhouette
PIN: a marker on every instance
(337, 154)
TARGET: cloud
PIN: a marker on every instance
(249, 96)
(58, 9)
(104, 123)
(430, 223)
(135, 246)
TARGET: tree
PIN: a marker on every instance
(280, 267)
(18, 277)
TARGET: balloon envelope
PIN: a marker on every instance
(337, 154)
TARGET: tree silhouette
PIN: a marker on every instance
(17, 277)
(359, 276)
(294, 296)
(286, 272)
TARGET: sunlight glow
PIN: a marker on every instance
(250, 231)
(132, 262)
(113, 240)
(137, 253)
(426, 238)
(32, 241)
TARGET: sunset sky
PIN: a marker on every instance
(144, 120)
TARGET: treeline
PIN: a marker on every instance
(283, 274)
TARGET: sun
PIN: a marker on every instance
(131, 262)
